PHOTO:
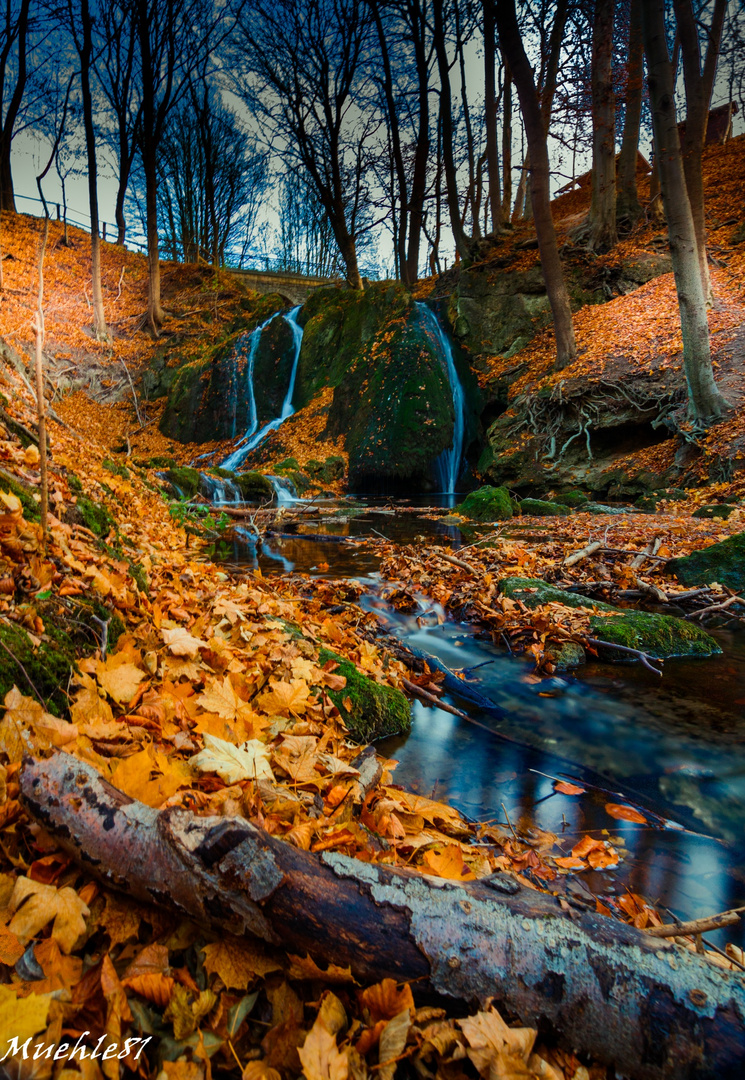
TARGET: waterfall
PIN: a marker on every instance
(253, 438)
(284, 491)
(220, 491)
(449, 461)
(253, 348)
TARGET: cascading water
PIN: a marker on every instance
(219, 490)
(253, 438)
(284, 491)
(449, 462)
(253, 348)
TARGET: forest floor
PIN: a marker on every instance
(212, 693)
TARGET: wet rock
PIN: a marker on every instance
(254, 487)
(568, 656)
(723, 563)
(487, 504)
(369, 711)
(604, 508)
(573, 499)
(716, 510)
(660, 636)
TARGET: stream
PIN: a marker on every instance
(675, 745)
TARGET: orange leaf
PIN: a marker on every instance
(624, 813)
(570, 863)
(584, 846)
(568, 789)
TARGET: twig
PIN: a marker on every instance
(695, 926)
(134, 392)
(715, 607)
(426, 696)
(512, 828)
(458, 562)
(651, 549)
(104, 624)
(583, 553)
(644, 657)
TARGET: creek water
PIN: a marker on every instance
(675, 746)
(448, 464)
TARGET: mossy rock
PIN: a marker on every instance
(115, 468)
(254, 487)
(289, 464)
(487, 504)
(95, 517)
(48, 667)
(723, 563)
(74, 484)
(31, 508)
(158, 462)
(333, 469)
(313, 467)
(717, 510)
(568, 656)
(647, 504)
(540, 508)
(222, 474)
(376, 711)
(184, 480)
(605, 508)
(572, 499)
(660, 636)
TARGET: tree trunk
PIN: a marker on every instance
(99, 317)
(603, 233)
(155, 312)
(653, 1011)
(628, 207)
(509, 36)
(446, 121)
(490, 114)
(698, 89)
(705, 402)
(507, 144)
(7, 194)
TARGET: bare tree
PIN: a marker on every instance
(536, 132)
(13, 70)
(603, 233)
(706, 403)
(628, 207)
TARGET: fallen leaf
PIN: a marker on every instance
(181, 642)
(36, 904)
(320, 1057)
(250, 761)
(625, 813)
(237, 962)
(568, 789)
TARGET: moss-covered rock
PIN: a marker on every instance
(723, 563)
(376, 711)
(572, 499)
(116, 468)
(716, 510)
(48, 666)
(539, 508)
(289, 464)
(568, 656)
(254, 487)
(605, 508)
(660, 636)
(184, 480)
(487, 504)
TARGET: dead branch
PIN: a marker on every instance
(644, 657)
(583, 553)
(695, 926)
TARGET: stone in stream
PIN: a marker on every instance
(662, 637)
(723, 563)
(487, 504)
(542, 508)
(369, 711)
(716, 510)
(571, 498)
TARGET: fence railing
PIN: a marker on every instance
(109, 230)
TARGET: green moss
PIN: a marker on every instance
(717, 510)
(223, 474)
(333, 469)
(254, 487)
(184, 479)
(48, 667)
(661, 636)
(137, 570)
(487, 504)
(376, 711)
(95, 517)
(289, 464)
(31, 508)
(539, 508)
(160, 463)
(571, 498)
(115, 468)
(74, 484)
(723, 563)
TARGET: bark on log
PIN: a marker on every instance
(652, 1010)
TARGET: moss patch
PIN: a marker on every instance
(48, 667)
(724, 562)
(571, 498)
(31, 509)
(95, 517)
(661, 636)
(539, 508)
(254, 487)
(376, 711)
(115, 468)
(718, 510)
(184, 479)
(487, 504)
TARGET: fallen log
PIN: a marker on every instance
(652, 1010)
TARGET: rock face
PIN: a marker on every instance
(498, 312)
(662, 637)
(724, 562)
(208, 398)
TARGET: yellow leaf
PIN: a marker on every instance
(149, 778)
(21, 1018)
(448, 863)
(12, 502)
(233, 763)
(490, 1039)
(305, 967)
(285, 697)
(119, 680)
(236, 962)
(36, 904)
(320, 1056)
(222, 699)
(392, 1043)
(181, 643)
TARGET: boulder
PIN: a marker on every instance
(487, 504)
(540, 508)
(716, 510)
(369, 711)
(662, 637)
(572, 499)
(723, 563)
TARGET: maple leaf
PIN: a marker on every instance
(119, 677)
(448, 863)
(250, 761)
(305, 967)
(222, 699)
(21, 1018)
(285, 697)
(149, 777)
(236, 962)
(11, 949)
(385, 1000)
(490, 1039)
(181, 643)
(320, 1057)
(36, 904)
